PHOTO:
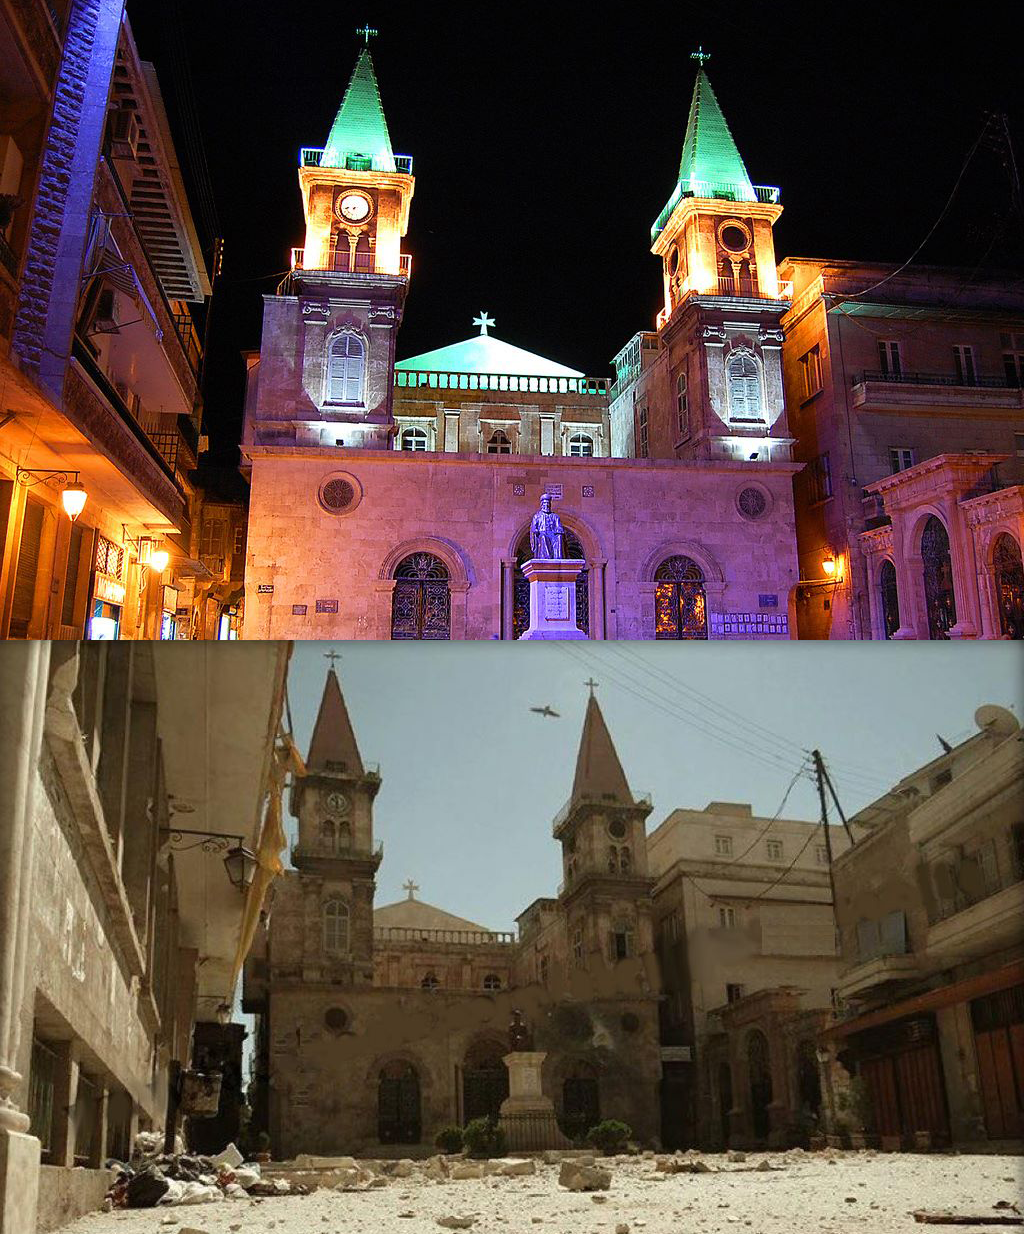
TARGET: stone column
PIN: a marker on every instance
(960, 1070)
(65, 1097)
(961, 558)
(23, 670)
(98, 1147)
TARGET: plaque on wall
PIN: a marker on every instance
(298, 610)
(264, 589)
(327, 606)
(556, 603)
(768, 601)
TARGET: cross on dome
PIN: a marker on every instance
(411, 887)
(367, 32)
(701, 56)
(483, 321)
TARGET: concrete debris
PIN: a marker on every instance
(173, 1180)
(467, 1169)
(578, 1176)
(736, 1157)
(228, 1158)
(456, 1223)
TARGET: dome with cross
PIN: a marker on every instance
(483, 353)
(413, 914)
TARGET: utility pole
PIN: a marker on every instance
(820, 776)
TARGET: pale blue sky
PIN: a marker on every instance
(472, 779)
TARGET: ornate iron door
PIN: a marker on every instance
(680, 602)
(421, 603)
(1009, 578)
(890, 599)
(483, 1091)
(398, 1106)
(938, 579)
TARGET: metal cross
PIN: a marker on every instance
(593, 686)
(367, 32)
(701, 56)
(410, 886)
(483, 321)
(332, 655)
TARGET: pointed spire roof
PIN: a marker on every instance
(710, 158)
(333, 745)
(599, 773)
(359, 127)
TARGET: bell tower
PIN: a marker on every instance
(335, 854)
(325, 373)
(723, 301)
(606, 889)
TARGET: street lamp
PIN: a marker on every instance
(73, 496)
(239, 861)
(240, 864)
(158, 560)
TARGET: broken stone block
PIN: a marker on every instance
(578, 1176)
(456, 1223)
(467, 1169)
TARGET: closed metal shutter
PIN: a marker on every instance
(28, 568)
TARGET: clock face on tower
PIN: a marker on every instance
(354, 207)
(336, 801)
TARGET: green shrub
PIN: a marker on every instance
(449, 1139)
(483, 1138)
(610, 1137)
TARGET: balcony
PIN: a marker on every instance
(728, 288)
(310, 157)
(463, 938)
(339, 262)
(710, 190)
(586, 387)
(325, 852)
(877, 975)
(878, 391)
(962, 928)
(8, 257)
(641, 801)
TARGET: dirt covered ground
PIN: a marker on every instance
(836, 1192)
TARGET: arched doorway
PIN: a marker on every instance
(581, 1099)
(1009, 580)
(484, 1081)
(759, 1067)
(938, 579)
(421, 603)
(890, 598)
(680, 600)
(398, 1103)
(724, 1100)
(808, 1080)
(521, 585)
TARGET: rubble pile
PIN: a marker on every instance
(156, 1179)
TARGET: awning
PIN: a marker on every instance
(944, 996)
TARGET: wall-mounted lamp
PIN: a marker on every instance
(828, 564)
(73, 496)
(239, 861)
(157, 559)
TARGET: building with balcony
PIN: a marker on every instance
(929, 910)
(122, 928)
(101, 267)
(393, 498)
(747, 952)
(905, 398)
(379, 1025)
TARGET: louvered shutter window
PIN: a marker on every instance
(744, 388)
(345, 370)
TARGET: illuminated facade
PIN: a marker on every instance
(392, 500)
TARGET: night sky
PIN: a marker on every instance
(546, 139)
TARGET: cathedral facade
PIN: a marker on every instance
(378, 1026)
(392, 499)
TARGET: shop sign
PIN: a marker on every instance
(109, 589)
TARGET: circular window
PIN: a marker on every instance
(617, 828)
(734, 237)
(336, 1019)
(673, 262)
(339, 494)
(752, 503)
(630, 1022)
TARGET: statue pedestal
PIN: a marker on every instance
(552, 598)
(528, 1117)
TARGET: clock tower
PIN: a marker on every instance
(335, 854)
(325, 373)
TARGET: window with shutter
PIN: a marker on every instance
(345, 368)
(744, 388)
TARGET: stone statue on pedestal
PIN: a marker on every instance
(520, 1037)
(547, 536)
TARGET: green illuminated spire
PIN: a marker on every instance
(360, 130)
(711, 163)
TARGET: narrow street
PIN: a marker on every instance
(801, 1193)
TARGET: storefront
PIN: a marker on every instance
(107, 593)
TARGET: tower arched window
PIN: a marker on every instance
(499, 443)
(343, 840)
(346, 369)
(682, 406)
(938, 579)
(680, 600)
(613, 859)
(492, 982)
(625, 860)
(430, 982)
(581, 445)
(744, 380)
(327, 834)
(421, 601)
(335, 926)
(414, 439)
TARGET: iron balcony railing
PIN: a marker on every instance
(310, 157)
(961, 901)
(738, 288)
(186, 331)
(473, 938)
(712, 190)
(934, 379)
(585, 386)
(639, 800)
(340, 260)
(325, 849)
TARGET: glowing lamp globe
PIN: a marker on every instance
(73, 499)
(158, 560)
(829, 565)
